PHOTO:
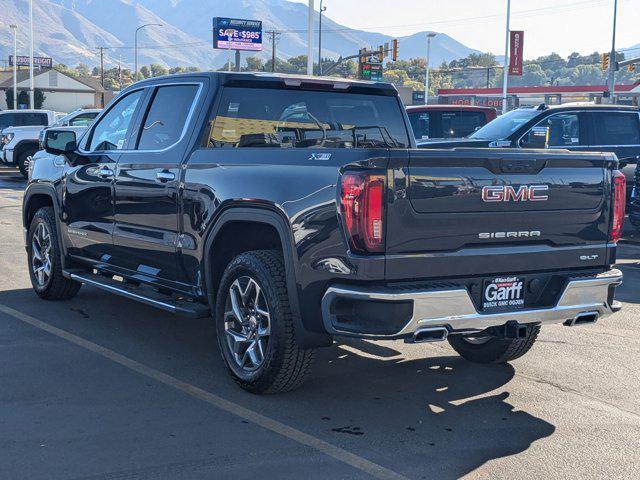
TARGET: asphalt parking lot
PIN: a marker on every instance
(104, 388)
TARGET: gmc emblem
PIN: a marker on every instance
(524, 193)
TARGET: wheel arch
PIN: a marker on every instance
(276, 221)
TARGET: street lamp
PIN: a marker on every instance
(611, 80)
(230, 32)
(322, 9)
(430, 35)
(505, 73)
(136, 43)
(31, 90)
(310, 39)
(14, 28)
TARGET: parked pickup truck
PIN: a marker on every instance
(296, 209)
(22, 142)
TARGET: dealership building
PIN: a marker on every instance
(63, 93)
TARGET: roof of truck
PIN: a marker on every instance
(264, 79)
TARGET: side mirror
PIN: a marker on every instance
(537, 137)
(60, 142)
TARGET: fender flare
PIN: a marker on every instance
(270, 217)
(48, 190)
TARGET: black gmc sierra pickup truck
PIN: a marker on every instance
(296, 209)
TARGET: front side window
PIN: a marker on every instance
(255, 117)
(83, 119)
(167, 116)
(7, 120)
(110, 133)
(564, 129)
(420, 124)
(616, 128)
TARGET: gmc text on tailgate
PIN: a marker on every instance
(295, 210)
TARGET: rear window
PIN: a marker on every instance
(255, 117)
(461, 124)
(616, 128)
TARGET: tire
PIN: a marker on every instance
(492, 349)
(44, 256)
(259, 362)
(23, 158)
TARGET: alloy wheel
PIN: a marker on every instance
(247, 323)
(41, 254)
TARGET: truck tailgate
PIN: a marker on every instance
(480, 212)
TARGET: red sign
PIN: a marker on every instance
(516, 42)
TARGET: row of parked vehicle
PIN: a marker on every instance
(22, 132)
(293, 210)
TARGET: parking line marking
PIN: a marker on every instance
(292, 433)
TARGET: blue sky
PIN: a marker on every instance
(563, 26)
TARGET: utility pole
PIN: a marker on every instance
(322, 9)
(102, 49)
(430, 35)
(613, 64)
(310, 40)
(505, 75)
(120, 72)
(14, 28)
(31, 89)
(273, 34)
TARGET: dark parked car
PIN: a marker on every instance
(447, 121)
(294, 209)
(586, 128)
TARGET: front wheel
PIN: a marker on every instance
(255, 325)
(488, 349)
(23, 161)
(45, 265)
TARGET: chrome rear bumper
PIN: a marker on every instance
(454, 309)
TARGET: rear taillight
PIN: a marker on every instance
(362, 203)
(619, 202)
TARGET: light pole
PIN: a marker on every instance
(322, 9)
(310, 40)
(14, 28)
(612, 57)
(136, 43)
(230, 32)
(31, 90)
(430, 35)
(505, 74)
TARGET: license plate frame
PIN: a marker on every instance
(503, 293)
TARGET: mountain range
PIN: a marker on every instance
(71, 31)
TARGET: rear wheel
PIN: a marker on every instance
(45, 265)
(255, 325)
(488, 349)
(23, 160)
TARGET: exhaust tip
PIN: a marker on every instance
(583, 319)
(436, 334)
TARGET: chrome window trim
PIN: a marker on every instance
(194, 103)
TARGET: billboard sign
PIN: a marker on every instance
(245, 34)
(23, 61)
(516, 42)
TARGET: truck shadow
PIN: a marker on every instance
(421, 411)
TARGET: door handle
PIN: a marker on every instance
(105, 172)
(165, 176)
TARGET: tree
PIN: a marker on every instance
(157, 70)
(145, 72)
(8, 95)
(254, 64)
(38, 98)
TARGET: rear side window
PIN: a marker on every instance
(461, 124)
(616, 128)
(420, 123)
(167, 116)
(564, 129)
(254, 117)
(31, 119)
